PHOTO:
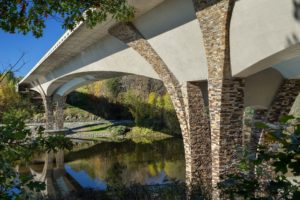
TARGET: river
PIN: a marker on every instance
(99, 166)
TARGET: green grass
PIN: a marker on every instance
(97, 128)
(145, 132)
(118, 131)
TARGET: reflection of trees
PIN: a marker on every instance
(115, 175)
(173, 169)
(138, 162)
(171, 149)
(119, 164)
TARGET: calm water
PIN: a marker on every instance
(112, 164)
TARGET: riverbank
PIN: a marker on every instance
(113, 131)
(116, 131)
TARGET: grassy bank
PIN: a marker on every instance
(117, 132)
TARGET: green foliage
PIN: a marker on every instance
(116, 99)
(113, 85)
(11, 100)
(157, 113)
(118, 130)
(282, 155)
(26, 16)
(17, 143)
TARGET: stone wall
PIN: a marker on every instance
(49, 115)
(226, 96)
(284, 99)
(199, 136)
(59, 111)
(54, 111)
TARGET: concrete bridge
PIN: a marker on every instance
(223, 55)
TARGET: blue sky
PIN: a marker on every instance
(13, 45)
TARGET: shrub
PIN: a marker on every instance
(118, 130)
(18, 144)
(263, 175)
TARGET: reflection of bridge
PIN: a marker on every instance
(58, 183)
(216, 53)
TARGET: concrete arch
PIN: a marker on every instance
(261, 88)
(67, 83)
(257, 43)
(72, 85)
(63, 88)
(108, 55)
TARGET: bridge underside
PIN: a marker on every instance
(207, 58)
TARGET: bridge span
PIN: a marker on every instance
(231, 54)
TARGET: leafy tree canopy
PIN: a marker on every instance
(17, 144)
(26, 16)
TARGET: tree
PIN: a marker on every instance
(264, 175)
(26, 16)
(17, 143)
(10, 99)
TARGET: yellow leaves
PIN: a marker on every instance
(151, 98)
(168, 105)
(8, 97)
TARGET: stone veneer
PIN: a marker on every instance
(284, 99)
(54, 111)
(48, 105)
(199, 137)
(187, 98)
(226, 96)
(59, 111)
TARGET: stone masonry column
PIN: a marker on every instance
(284, 99)
(179, 93)
(48, 105)
(59, 111)
(199, 137)
(226, 102)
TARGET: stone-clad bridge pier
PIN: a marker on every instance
(218, 56)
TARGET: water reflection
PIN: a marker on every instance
(112, 164)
